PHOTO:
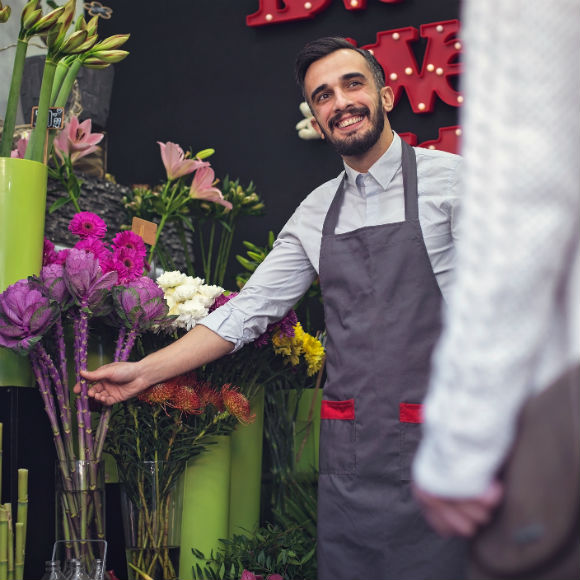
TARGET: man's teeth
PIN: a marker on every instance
(348, 122)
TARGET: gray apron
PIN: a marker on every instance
(382, 309)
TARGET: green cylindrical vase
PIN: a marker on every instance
(22, 210)
(246, 477)
(206, 495)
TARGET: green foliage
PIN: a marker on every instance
(141, 432)
(270, 550)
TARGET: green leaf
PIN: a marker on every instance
(58, 204)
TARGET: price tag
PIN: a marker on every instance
(145, 229)
(55, 117)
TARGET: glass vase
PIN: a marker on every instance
(80, 511)
(151, 506)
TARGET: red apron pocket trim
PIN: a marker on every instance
(343, 410)
(410, 413)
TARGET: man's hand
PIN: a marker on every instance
(114, 382)
(458, 517)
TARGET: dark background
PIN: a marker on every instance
(198, 76)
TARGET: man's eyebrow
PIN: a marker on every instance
(345, 77)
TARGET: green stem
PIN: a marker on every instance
(35, 149)
(13, 98)
(63, 83)
(62, 69)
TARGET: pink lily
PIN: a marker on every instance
(176, 165)
(20, 150)
(76, 140)
(201, 187)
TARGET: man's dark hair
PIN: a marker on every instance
(322, 47)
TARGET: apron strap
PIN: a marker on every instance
(409, 167)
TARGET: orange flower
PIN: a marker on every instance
(237, 404)
(187, 400)
(157, 394)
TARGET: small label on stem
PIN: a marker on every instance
(145, 229)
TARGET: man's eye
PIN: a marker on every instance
(354, 83)
(322, 97)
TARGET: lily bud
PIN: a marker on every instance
(47, 21)
(111, 56)
(92, 25)
(113, 42)
(87, 44)
(204, 153)
(4, 13)
(29, 8)
(95, 63)
(30, 18)
(72, 43)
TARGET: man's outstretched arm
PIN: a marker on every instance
(116, 382)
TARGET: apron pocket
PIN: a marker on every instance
(409, 436)
(337, 454)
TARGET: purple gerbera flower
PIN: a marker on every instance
(87, 224)
(25, 316)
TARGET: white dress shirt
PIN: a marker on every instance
(372, 198)
(513, 318)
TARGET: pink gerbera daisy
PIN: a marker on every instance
(95, 247)
(131, 241)
(87, 224)
(128, 264)
(49, 254)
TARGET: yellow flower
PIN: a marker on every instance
(313, 353)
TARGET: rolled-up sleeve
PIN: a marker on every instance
(274, 288)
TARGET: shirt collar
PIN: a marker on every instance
(385, 168)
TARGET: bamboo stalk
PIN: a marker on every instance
(8, 509)
(22, 508)
(20, 542)
(3, 544)
(1, 443)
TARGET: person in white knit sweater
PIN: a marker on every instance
(513, 321)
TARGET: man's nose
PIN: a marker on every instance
(341, 100)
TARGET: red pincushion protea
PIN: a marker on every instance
(210, 396)
(158, 394)
(186, 400)
(237, 404)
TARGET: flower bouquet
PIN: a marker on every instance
(183, 203)
(76, 288)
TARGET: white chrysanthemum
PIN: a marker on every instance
(185, 292)
(171, 279)
(193, 308)
(209, 294)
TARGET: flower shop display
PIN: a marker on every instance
(76, 287)
(13, 532)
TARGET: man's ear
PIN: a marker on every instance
(315, 126)
(387, 99)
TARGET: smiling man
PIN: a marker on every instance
(381, 237)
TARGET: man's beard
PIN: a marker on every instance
(358, 144)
